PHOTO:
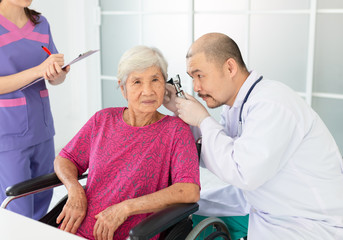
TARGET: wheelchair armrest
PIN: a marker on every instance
(162, 220)
(36, 184)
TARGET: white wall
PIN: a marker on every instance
(74, 27)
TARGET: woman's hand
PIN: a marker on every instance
(51, 69)
(53, 58)
(55, 74)
(74, 211)
(109, 220)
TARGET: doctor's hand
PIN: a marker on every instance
(74, 211)
(169, 98)
(191, 110)
(108, 221)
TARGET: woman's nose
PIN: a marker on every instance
(147, 89)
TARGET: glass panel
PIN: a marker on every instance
(220, 5)
(279, 4)
(111, 95)
(165, 5)
(328, 64)
(329, 4)
(170, 34)
(278, 48)
(127, 5)
(116, 38)
(331, 111)
(232, 25)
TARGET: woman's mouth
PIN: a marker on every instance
(148, 101)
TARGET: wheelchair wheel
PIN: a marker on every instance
(179, 230)
(209, 229)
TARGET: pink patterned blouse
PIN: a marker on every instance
(126, 162)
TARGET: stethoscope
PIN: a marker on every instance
(244, 101)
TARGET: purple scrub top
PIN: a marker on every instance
(25, 115)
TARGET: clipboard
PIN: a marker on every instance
(80, 57)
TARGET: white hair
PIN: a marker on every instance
(140, 58)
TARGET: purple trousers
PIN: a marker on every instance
(23, 164)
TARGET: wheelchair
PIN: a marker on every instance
(172, 223)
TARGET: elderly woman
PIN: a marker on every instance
(139, 160)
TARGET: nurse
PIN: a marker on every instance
(280, 161)
(26, 124)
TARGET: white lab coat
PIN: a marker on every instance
(286, 165)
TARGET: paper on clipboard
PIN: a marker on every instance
(80, 57)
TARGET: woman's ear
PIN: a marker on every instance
(123, 89)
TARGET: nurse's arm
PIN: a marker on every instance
(16, 81)
(11, 83)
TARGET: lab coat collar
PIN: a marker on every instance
(253, 76)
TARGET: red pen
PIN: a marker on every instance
(46, 50)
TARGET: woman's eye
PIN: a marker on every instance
(136, 82)
(155, 79)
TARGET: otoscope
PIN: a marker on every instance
(176, 81)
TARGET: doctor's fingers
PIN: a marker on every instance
(182, 103)
(188, 98)
(170, 95)
(184, 107)
(170, 89)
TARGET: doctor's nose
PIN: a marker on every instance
(196, 85)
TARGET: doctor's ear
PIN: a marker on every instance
(231, 66)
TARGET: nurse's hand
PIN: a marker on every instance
(74, 211)
(108, 221)
(51, 69)
(53, 58)
(55, 74)
(191, 110)
(169, 98)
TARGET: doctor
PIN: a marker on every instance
(270, 146)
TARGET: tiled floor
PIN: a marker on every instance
(208, 181)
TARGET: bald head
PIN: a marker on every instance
(217, 47)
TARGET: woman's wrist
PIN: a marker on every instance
(128, 207)
(75, 189)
